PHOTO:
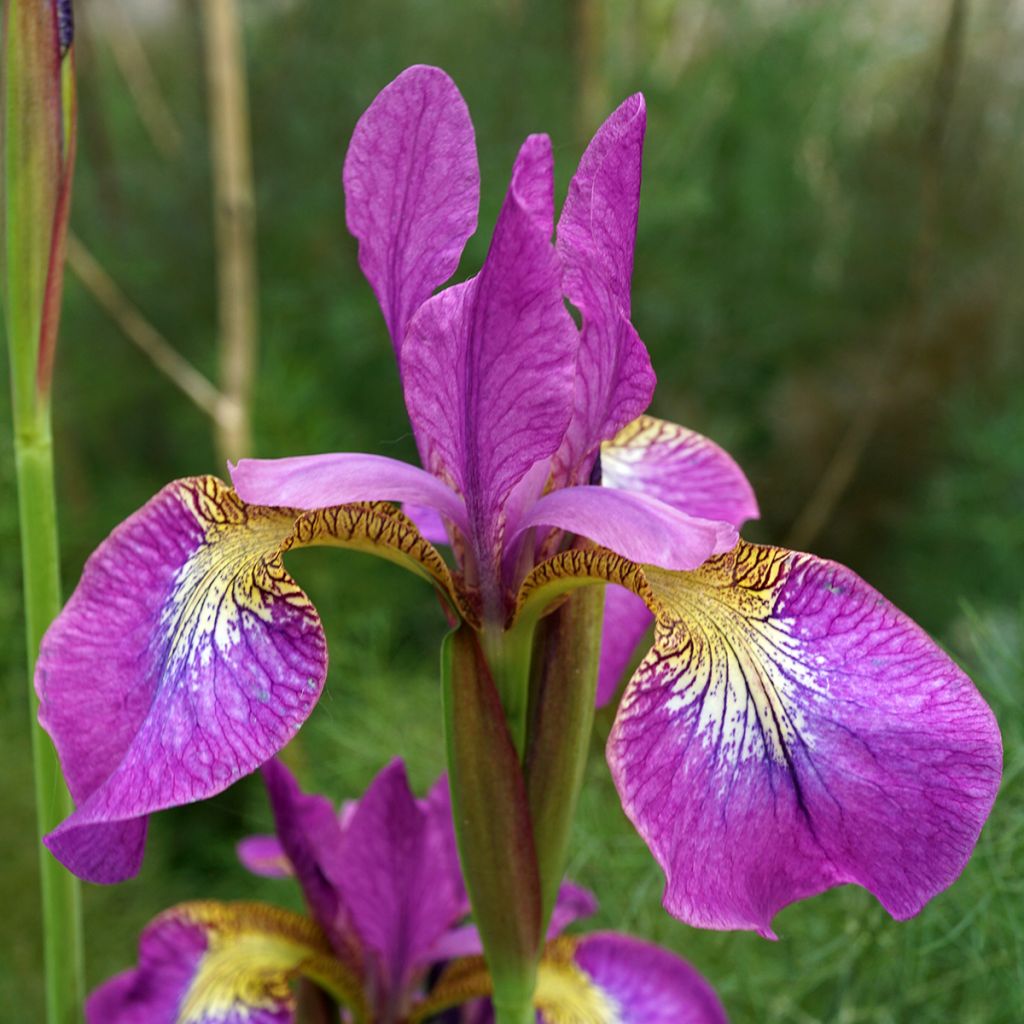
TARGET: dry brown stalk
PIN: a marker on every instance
(141, 332)
(235, 220)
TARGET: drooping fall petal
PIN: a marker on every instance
(685, 470)
(604, 978)
(412, 188)
(221, 963)
(641, 983)
(488, 365)
(596, 237)
(187, 656)
(790, 731)
(679, 467)
(626, 620)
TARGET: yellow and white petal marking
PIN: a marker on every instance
(253, 954)
(224, 963)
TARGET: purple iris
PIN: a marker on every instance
(789, 730)
(382, 883)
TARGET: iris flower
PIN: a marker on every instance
(789, 729)
(381, 881)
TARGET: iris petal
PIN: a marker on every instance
(320, 481)
(790, 731)
(685, 470)
(488, 365)
(412, 187)
(637, 527)
(187, 656)
(221, 963)
(604, 978)
(596, 236)
(681, 468)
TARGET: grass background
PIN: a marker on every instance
(818, 213)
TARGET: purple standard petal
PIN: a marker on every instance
(626, 621)
(645, 984)
(310, 834)
(596, 237)
(790, 731)
(412, 188)
(398, 876)
(681, 468)
(632, 525)
(264, 855)
(488, 365)
(185, 658)
(320, 481)
(220, 963)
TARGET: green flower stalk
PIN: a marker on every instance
(38, 157)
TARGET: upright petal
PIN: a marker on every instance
(597, 228)
(310, 835)
(596, 237)
(681, 468)
(221, 963)
(488, 365)
(790, 731)
(187, 657)
(412, 188)
(398, 877)
(264, 855)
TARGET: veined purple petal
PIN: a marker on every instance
(596, 237)
(320, 481)
(412, 188)
(790, 731)
(626, 620)
(681, 468)
(488, 365)
(645, 984)
(398, 876)
(185, 658)
(220, 963)
(632, 525)
(264, 855)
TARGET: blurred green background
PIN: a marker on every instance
(828, 277)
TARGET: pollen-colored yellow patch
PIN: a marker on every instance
(254, 953)
(565, 995)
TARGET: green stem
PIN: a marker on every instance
(566, 658)
(62, 915)
(508, 655)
